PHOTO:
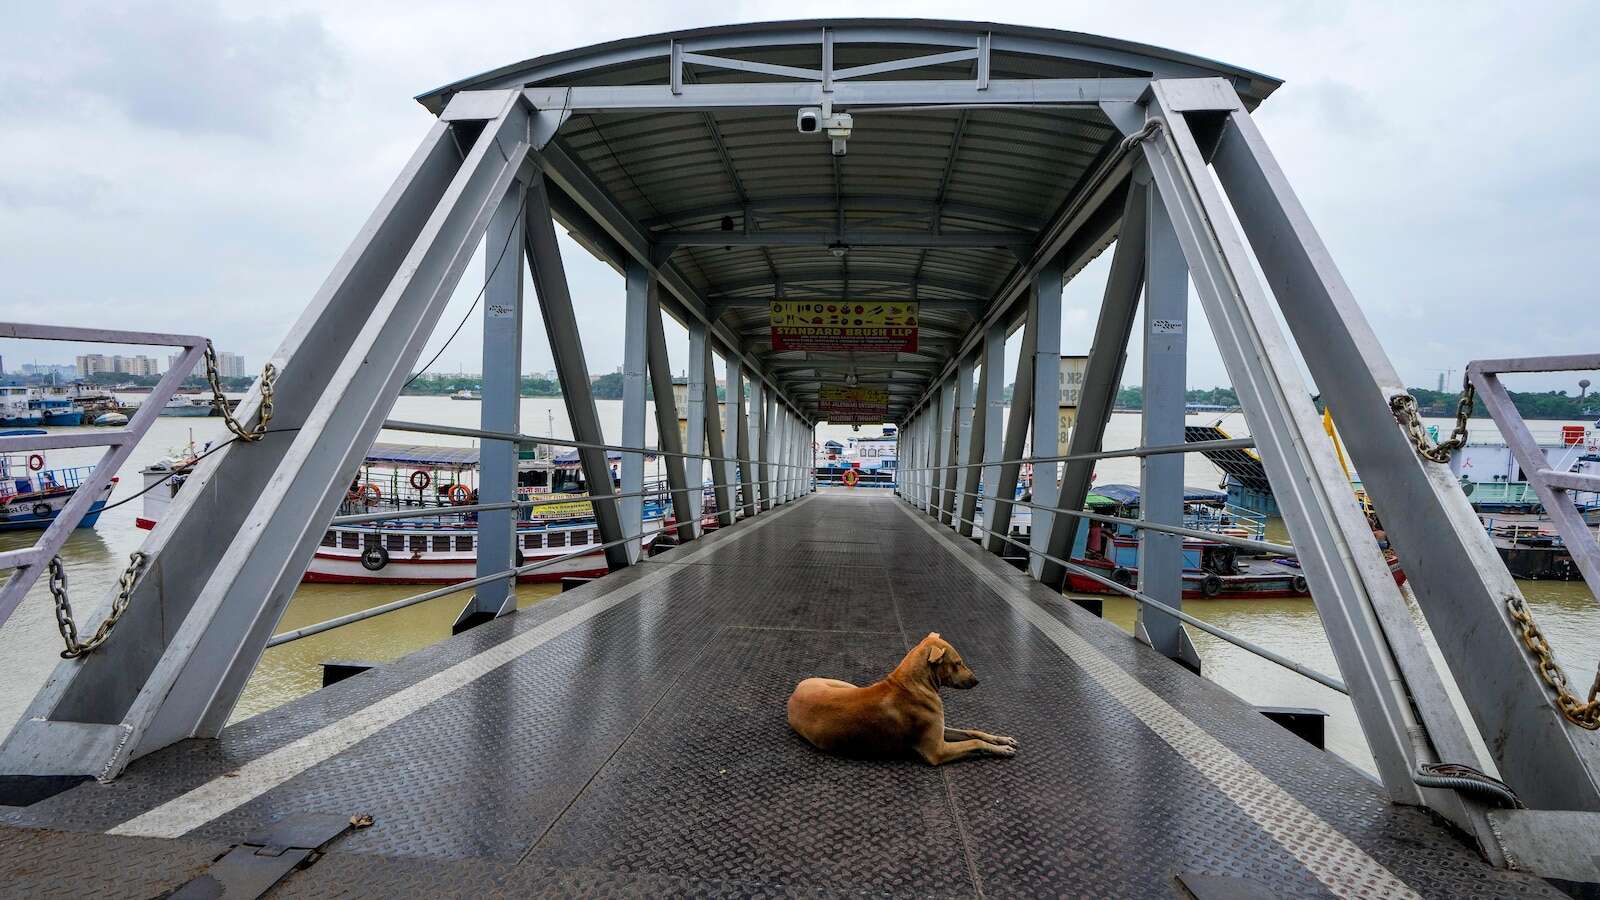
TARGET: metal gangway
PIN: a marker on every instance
(967, 168)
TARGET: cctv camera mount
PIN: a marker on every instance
(815, 120)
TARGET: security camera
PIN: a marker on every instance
(813, 120)
(809, 121)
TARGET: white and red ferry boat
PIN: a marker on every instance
(438, 545)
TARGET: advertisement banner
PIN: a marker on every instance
(852, 405)
(840, 326)
(1071, 383)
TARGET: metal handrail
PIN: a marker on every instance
(1220, 633)
(456, 588)
(1153, 450)
(1243, 543)
(519, 438)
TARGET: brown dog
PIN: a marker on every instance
(899, 715)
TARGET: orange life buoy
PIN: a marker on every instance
(36, 461)
(370, 493)
(851, 477)
(420, 479)
(460, 494)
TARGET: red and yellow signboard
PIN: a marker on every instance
(852, 405)
(836, 325)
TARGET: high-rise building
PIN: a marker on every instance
(229, 365)
(91, 364)
(98, 363)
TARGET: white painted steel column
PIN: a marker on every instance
(992, 406)
(694, 464)
(1166, 305)
(769, 447)
(1046, 403)
(960, 452)
(634, 370)
(739, 435)
(502, 383)
(945, 451)
(755, 425)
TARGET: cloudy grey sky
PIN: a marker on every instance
(200, 166)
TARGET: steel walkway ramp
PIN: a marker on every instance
(629, 738)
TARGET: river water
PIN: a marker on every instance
(29, 643)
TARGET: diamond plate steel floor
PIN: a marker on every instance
(629, 739)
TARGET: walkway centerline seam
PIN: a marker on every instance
(223, 794)
(1335, 860)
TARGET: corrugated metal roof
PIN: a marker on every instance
(967, 189)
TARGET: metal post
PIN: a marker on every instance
(755, 482)
(561, 327)
(974, 425)
(949, 435)
(1005, 487)
(1459, 581)
(716, 445)
(695, 412)
(1166, 305)
(684, 505)
(1046, 403)
(739, 425)
(1103, 375)
(993, 410)
(769, 424)
(960, 453)
(502, 396)
(635, 369)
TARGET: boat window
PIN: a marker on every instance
(532, 541)
(329, 539)
(558, 538)
(594, 535)
(349, 540)
(441, 543)
(396, 542)
(464, 543)
(418, 543)
(579, 538)
(370, 539)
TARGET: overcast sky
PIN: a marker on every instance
(199, 167)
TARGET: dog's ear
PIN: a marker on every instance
(932, 635)
(936, 654)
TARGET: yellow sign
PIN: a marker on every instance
(565, 509)
(838, 325)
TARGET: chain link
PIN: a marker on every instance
(1584, 714)
(269, 377)
(1404, 407)
(119, 605)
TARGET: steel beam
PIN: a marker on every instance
(720, 436)
(767, 410)
(501, 410)
(1045, 312)
(1459, 581)
(999, 240)
(635, 371)
(960, 453)
(1005, 487)
(685, 506)
(1166, 309)
(975, 422)
(857, 95)
(739, 421)
(992, 398)
(1337, 553)
(699, 424)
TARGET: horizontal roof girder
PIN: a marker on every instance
(828, 271)
(1029, 92)
(970, 307)
(979, 239)
(851, 202)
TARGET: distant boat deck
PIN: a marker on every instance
(629, 738)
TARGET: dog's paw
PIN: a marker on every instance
(1002, 750)
(1002, 739)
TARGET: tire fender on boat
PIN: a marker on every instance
(41, 510)
(1301, 586)
(374, 558)
(1122, 576)
(1211, 585)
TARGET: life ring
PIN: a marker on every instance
(368, 493)
(1122, 576)
(850, 478)
(1211, 585)
(521, 560)
(460, 494)
(41, 510)
(36, 461)
(374, 558)
(1301, 586)
(420, 479)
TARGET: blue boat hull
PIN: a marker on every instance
(72, 418)
(29, 521)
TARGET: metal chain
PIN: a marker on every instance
(1404, 407)
(269, 376)
(1584, 714)
(119, 605)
